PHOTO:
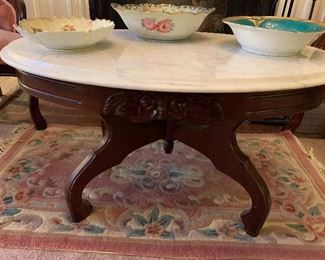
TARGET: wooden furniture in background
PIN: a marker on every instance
(9, 16)
(20, 8)
(295, 120)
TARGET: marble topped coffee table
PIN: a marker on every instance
(196, 91)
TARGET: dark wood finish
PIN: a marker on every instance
(312, 9)
(20, 8)
(250, 7)
(6, 70)
(284, 7)
(320, 42)
(206, 122)
(290, 7)
(294, 122)
(38, 119)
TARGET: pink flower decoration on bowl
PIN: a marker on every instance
(149, 23)
(163, 26)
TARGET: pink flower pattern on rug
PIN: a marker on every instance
(157, 196)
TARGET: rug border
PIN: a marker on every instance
(145, 248)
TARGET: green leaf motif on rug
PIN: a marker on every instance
(29, 169)
(209, 232)
(62, 228)
(153, 216)
(138, 172)
(66, 136)
(244, 237)
(298, 227)
(168, 235)
(300, 214)
(254, 143)
(136, 233)
(152, 226)
(35, 142)
(314, 211)
(294, 186)
(140, 220)
(10, 212)
(24, 162)
(165, 220)
(284, 179)
(7, 200)
(175, 174)
(288, 172)
(94, 229)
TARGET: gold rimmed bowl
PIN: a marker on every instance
(162, 21)
(65, 33)
(274, 36)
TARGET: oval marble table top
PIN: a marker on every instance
(205, 63)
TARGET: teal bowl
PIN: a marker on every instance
(274, 36)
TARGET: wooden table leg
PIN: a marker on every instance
(121, 137)
(134, 119)
(38, 119)
(294, 122)
(219, 144)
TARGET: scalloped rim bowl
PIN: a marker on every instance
(65, 33)
(162, 21)
(272, 35)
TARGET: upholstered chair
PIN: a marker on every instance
(10, 13)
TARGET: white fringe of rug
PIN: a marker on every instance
(317, 164)
(309, 151)
(10, 140)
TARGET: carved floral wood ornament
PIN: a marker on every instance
(143, 107)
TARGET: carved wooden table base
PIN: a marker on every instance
(206, 122)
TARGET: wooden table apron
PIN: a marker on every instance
(206, 122)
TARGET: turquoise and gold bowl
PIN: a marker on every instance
(274, 36)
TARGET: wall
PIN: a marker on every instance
(47, 8)
(301, 9)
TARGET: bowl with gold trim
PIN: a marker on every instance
(274, 36)
(65, 33)
(162, 21)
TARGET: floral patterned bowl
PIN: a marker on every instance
(273, 36)
(65, 33)
(162, 21)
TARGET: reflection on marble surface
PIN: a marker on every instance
(203, 63)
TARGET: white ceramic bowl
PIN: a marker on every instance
(273, 36)
(162, 21)
(65, 33)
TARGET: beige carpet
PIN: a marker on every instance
(9, 87)
(24, 254)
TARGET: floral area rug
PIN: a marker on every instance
(159, 205)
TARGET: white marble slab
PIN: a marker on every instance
(210, 63)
